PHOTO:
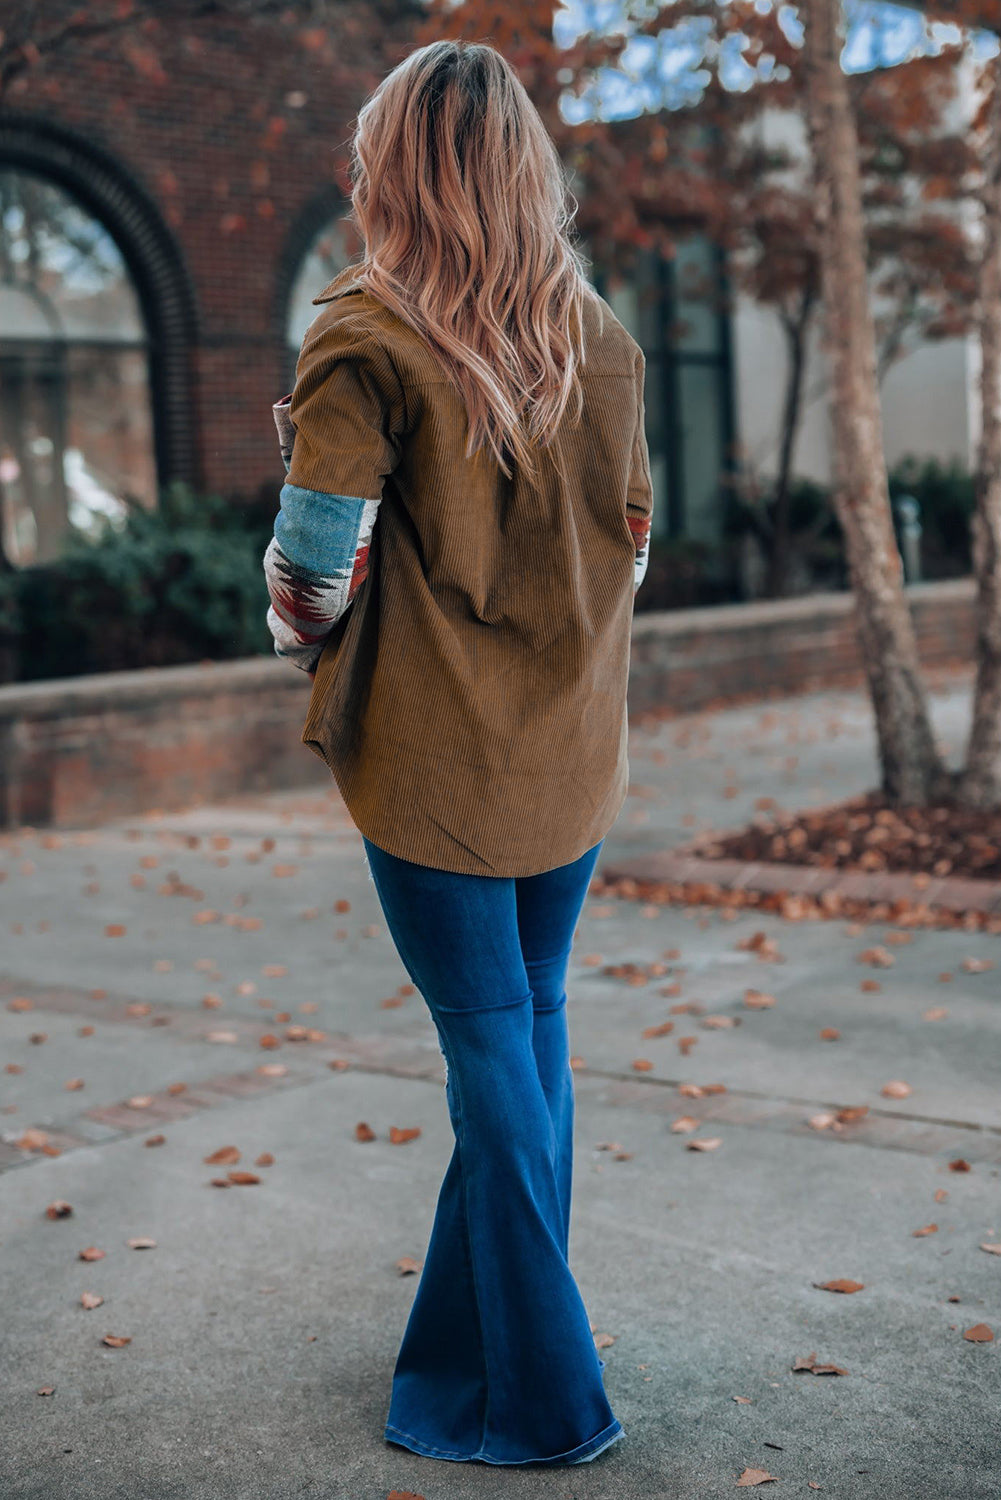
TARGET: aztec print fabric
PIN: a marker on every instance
(470, 696)
(316, 561)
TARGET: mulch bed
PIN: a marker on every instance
(868, 835)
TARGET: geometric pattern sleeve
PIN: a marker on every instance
(339, 432)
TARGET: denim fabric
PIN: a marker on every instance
(498, 1362)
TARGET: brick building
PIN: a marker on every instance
(169, 204)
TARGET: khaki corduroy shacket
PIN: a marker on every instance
(471, 702)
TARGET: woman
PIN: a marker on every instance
(462, 530)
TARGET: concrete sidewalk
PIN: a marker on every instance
(265, 1322)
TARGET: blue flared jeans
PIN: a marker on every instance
(498, 1362)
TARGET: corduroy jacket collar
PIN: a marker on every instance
(343, 282)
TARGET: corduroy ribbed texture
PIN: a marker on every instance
(471, 703)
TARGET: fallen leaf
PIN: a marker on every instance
(880, 958)
(840, 1286)
(755, 1476)
(243, 1179)
(59, 1209)
(641, 1064)
(364, 1132)
(407, 1266)
(830, 1034)
(977, 965)
(142, 1243)
(92, 1253)
(896, 1089)
(979, 1334)
(960, 1165)
(758, 1000)
(703, 1143)
(822, 1121)
(115, 1341)
(684, 1123)
(603, 1340)
(90, 1299)
(45, 1390)
(991, 1249)
(928, 1229)
(936, 1013)
(399, 1137)
(742, 1400)
(664, 1029)
(225, 1154)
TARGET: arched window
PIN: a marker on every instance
(76, 423)
(329, 251)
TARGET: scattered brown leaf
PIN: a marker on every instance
(225, 1154)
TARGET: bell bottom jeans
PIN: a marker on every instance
(498, 1363)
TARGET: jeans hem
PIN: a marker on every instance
(589, 1449)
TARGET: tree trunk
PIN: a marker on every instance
(912, 770)
(978, 783)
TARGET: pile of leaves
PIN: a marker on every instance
(867, 834)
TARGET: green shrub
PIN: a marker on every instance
(180, 583)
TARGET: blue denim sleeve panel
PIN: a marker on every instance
(314, 565)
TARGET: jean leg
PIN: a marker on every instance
(549, 907)
(497, 1362)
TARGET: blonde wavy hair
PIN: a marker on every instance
(460, 198)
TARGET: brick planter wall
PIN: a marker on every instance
(75, 752)
(685, 659)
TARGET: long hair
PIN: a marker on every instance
(460, 197)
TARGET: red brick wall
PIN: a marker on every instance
(204, 117)
(78, 751)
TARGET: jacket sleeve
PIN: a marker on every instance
(639, 495)
(339, 432)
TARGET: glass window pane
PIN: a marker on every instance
(697, 306)
(61, 268)
(702, 443)
(76, 418)
(329, 253)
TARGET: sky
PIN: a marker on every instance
(667, 71)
